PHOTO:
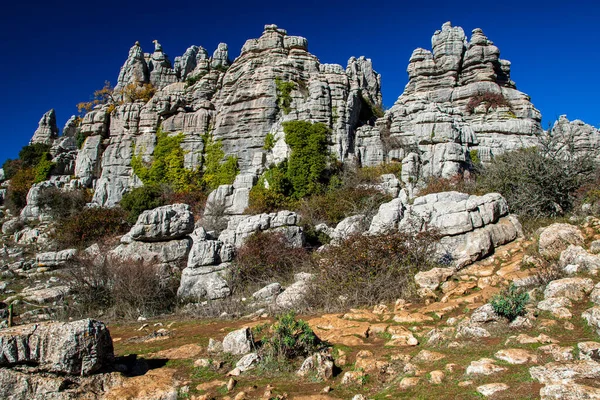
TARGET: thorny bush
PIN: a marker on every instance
(365, 270)
(115, 288)
(266, 257)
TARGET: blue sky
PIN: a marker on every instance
(56, 55)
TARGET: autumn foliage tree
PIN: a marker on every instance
(130, 93)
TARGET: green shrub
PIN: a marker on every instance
(80, 138)
(167, 166)
(269, 141)
(33, 153)
(20, 183)
(307, 163)
(90, 225)
(474, 156)
(288, 338)
(510, 303)
(217, 172)
(266, 257)
(284, 91)
(536, 182)
(11, 167)
(43, 168)
(140, 199)
(63, 203)
(192, 80)
(366, 270)
(274, 198)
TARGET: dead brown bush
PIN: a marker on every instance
(366, 270)
(113, 288)
(266, 257)
(456, 183)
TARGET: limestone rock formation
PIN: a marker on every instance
(164, 223)
(470, 226)
(47, 130)
(459, 98)
(577, 136)
(76, 348)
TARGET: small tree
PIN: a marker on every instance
(307, 163)
(167, 166)
(101, 96)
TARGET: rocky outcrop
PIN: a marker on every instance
(47, 130)
(459, 98)
(75, 348)
(470, 226)
(207, 266)
(161, 224)
(239, 228)
(576, 137)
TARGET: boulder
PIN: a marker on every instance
(164, 223)
(294, 296)
(268, 292)
(75, 348)
(238, 342)
(558, 372)
(470, 226)
(557, 237)
(577, 255)
(572, 288)
(55, 258)
(433, 278)
(592, 316)
(204, 282)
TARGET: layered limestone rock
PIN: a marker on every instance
(241, 102)
(470, 226)
(577, 137)
(459, 98)
(75, 348)
(249, 102)
(47, 130)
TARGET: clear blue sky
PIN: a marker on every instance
(55, 54)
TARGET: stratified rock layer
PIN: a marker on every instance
(75, 348)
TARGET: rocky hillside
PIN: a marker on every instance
(211, 200)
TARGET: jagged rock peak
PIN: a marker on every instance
(583, 138)
(220, 56)
(135, 69)
(454, 61)
(47, 129)
(275, 38)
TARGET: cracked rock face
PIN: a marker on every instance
(47, 129)
(470, 226)
(433, 114)
(75, 348)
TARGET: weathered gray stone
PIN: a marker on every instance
(572, 288)
(592, 316)
(163, 223)
(470, 226)
(557, 237)
(55, 258)
(268, 292)
(558, 372)
(77, 348)
(576, 255)
(47, 130)
(204, 282)
(238, 342)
